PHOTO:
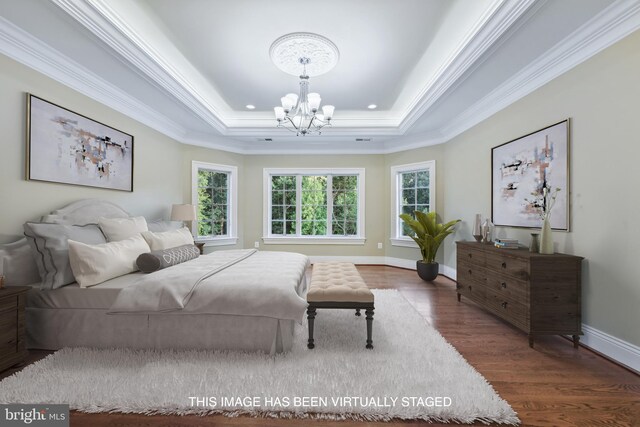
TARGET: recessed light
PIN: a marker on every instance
(372, 106)
(251, 107)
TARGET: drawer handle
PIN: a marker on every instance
(504, 265)
(469, 287)
(504, 305)
(470, 255)
(470, 272)
(504, 285)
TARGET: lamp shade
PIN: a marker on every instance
(314, 101)
(279, 113)
(328, 111)
(184, 212)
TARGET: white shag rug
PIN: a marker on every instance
(412, 373)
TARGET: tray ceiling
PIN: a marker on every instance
(433, 67)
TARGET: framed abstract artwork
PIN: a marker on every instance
(524, 170)
(69, 148)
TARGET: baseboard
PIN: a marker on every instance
(619, 351)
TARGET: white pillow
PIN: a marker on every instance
(93, 264)
(115, 229)
(168, 239)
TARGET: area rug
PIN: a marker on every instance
(412, 373)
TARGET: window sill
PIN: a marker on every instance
(405, 243)
(285, 240)
(217, 241)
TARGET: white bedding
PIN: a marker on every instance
(72, 316)
(72, 296)
(235, 282)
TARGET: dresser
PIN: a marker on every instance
(12, 326)
(539, 294)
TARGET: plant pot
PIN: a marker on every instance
(427, 271)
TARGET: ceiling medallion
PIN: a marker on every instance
(287, 50)
(303, 55)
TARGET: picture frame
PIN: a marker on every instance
(522, 168)
(69, 148)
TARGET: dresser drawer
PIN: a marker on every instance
(9, 303)
(470, 255)
(471, 273)
(508, 309)
(515, 267)
(508, 287)
(8, 329)
(472, 291)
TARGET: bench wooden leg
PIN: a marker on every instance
(311, 315)
(369, 314)
(358, 312)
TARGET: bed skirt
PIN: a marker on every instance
(53, 329)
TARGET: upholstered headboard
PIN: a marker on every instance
(86, 211)
(16, 260)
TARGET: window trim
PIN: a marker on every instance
(232, 194)
(269, 239)
(397, 239)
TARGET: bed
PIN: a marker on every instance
(251, 303)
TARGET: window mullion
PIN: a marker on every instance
(329, 205)
(298, 205)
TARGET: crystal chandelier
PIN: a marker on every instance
(313, 55)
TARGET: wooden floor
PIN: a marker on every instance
(550, 385)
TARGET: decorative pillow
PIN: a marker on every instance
(158, 226)
(94, 264)
(168, 239)
(157, 260)
(116, 229)
(50, 249)
(17, 264)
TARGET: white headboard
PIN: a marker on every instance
(16, 261)
(85, 211)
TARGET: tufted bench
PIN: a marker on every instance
(338, 285)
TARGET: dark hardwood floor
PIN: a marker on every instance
(552, 384)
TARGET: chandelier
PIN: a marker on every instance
(300, 113)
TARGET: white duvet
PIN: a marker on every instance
(235, 282)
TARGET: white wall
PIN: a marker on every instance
(157, 168)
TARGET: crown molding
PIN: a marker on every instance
(30, 51)
(489, 29)
(105, 23)
(608, 27)
(611, 25)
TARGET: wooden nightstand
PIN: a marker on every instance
(13, 348)
(200, 246)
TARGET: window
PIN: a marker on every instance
(314, 206)
(214, 194)
(412, 189)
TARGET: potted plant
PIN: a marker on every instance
(429, 234)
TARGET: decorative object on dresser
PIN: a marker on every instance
(487, 231)
(539, 294)
(523, 169)
(428, 234)
(533, 246)
(67, 147)
(13, 348)
(477, 228)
